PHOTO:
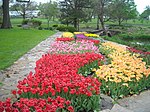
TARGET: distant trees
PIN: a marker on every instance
(49, 10)
(22, 8)
(120, 10)
(73, 11)
(146, 13)
(100, 9)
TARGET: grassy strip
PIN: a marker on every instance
(16, 42)
(130, 39)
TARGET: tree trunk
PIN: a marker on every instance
(24, 12)
(48, 23)
(97, 23)
(101, 15)
(78, 25)
(6, 24)
(102, 23)
(75, 23)
(119, 21)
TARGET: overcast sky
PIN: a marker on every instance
(141, 4)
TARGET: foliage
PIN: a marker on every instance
(100, 8)
(72, 11)
(146, 13)
(33, 22)
(66, 28)
(49, 10)
(126, 9)
(87, 70)
(23, 8)
(55, 25)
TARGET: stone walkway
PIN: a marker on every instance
(21, 68)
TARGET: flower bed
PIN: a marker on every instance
(126, 74)
(73, 47)
(57, 85)
(92, 35)
(65, 39)
(61, 81)
(68, 34)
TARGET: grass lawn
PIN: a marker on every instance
(16, 42)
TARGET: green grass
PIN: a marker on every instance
(16, 42)
(18, 21)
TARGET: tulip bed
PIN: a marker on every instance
(126, 74)
(57, 84)
(62, 81)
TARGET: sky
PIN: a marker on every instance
(141, 4)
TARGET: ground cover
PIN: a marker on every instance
(15, 42)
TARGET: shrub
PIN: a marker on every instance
(61, 28)
(40, 28)
(25, 21)
(66, 28)
(55, 25)
(34, 23)
(71, 29)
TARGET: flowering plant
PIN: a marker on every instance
(38, 105)
(65, 39)
(92, 35)
(125, 73)
(68, 34)
(81, 46)
(137, 51)
(56, 85)
(80, 32)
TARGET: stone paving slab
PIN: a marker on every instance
(118, 108)
(137, 103)
(21, 68)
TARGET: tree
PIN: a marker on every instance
(146, 13)
(23, 7)
(100, 8)
(49, 10)
(72, 11)
(121, 10)
(6, 24)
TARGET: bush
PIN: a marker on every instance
(50, 28)
(71, 29)
(66, 28)
(55, 25)
(34, 23)
(61, 28)
(25, 21)
(40, 28)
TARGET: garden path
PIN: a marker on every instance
(21, 68)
